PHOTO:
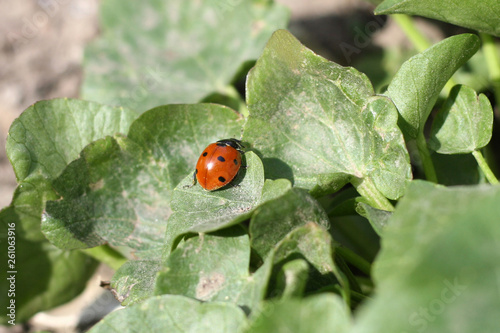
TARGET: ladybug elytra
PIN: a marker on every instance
(218, 164)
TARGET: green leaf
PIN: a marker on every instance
(162, 52)
(119, 190)
(320, 313)
(214, 267)
(437, 271)
(28, 203)
(42, 276)
(50, 134)
(135, 280)
(464, 124)
(320, 125)
(174, 314)
(44, 139)
(292, 278)
(197, 210)
(477, 73)
(416, 86)
(313, 243)
(274, 189)
(478, 15)
(377, 218)
(41, 142)
(274, 219)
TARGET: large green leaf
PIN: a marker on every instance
(135, 280)
(464, 124)
(215, 267)
(196, 210)
(320, 125)
(416, 86)
(36, 275)
(438, 268)
(41, 142)
(200, 211)
(174, 314)
(119, 190)
(274, 219)
(481, 15)
(320, 313)
(50, 134)
(160, 52)
(44, 140)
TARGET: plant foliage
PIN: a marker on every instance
(329, 178)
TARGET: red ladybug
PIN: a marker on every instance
(219, 164)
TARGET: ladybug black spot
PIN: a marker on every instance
(205, 154)
(235, 162)
(222, 179)
(222, 159)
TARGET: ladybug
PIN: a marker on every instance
(219, 164)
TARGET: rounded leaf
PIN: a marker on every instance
(464, 124)
(119, 190)
(318, 123)
(416, 86)
(197, 210)
(50, 134)
(174, 314)
(477, 15)
(214, 267)
(319, 313)
(437, 270)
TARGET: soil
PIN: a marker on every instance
(41, 52)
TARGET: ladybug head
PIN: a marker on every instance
(235, 143)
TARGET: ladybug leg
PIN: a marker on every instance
(194, 177)
(194, 180)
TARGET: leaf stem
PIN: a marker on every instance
(407, 24)
(493, 62)
(372, 195)
(484, 167)
(106, 255)
(425, 156)
(419, 41)
(358, 297)
(354, 259)
(346, 271)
